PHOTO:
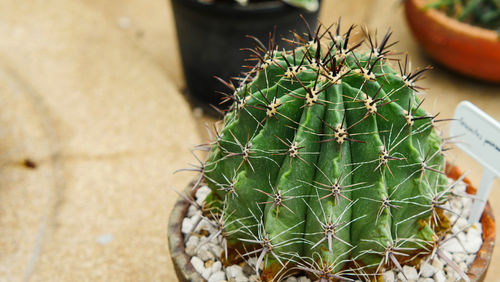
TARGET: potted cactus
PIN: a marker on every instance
(462, 35)
(211, 35)
(326, 165)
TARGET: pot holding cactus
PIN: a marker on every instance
(211, 35)
(328, 167)
(467, 44)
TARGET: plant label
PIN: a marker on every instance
(478, 135)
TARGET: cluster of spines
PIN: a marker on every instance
(326, 162)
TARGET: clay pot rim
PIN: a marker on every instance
(456, 26)
(186, 272)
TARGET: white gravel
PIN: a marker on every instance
(459, 246)
(410, 273)
(389, 276)
(427, 270)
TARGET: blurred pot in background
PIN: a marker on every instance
(211, 34)
(473, 50)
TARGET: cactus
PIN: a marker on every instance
(326, 162)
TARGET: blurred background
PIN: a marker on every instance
(95, 119)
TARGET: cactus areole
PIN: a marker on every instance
(326, 162)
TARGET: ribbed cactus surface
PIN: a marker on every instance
(326, 162)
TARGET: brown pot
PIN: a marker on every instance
(186, 272)
(470, 50)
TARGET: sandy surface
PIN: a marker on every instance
(91, 128)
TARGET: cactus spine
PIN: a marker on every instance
(326, 162)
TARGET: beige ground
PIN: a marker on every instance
(98, 113)
(89, 94)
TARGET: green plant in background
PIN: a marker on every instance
(484, 13)
(326, 162)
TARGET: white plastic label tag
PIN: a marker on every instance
(478, 135)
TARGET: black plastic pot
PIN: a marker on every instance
(211, 36)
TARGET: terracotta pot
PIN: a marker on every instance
(470, 50)
(186, 272)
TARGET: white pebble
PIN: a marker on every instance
(197, 264)
(204, 254)
(254, 278)
(456, 205)
(400, 276)
(206, 273)
(425, 280)
(217, 266)
(452, 246)
(241, 278)
(439, 276)
(215, 249)
(234, 271)
(291, 279)
(455, 229)
(459, 257)
(451, 275)
(187, 225)
(410, 272)
(462, 237)
(473, 243)
(204, 225)
(388, 276)
(437, 264)
(427, 270)
(201, 194)
(217, 276)
(476, 228)
(467, 202)
(192, 210)
(466, 209)
(463, 266)
(452, 217)
(252, 262)
(460, 187)
(191, 245)
(470, 259)
(461, 223)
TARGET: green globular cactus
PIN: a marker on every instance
(326, 162)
